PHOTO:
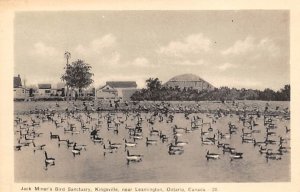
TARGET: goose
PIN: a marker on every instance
(133, 158)
(173, 147)
(213, 139)
(246, 133)
(203, 133)
(188, 130)
(247, 140)
(49, 160)
(107, 149)
(258, 143)
(180, 143)
(53, 136)
(219, 145)
(75, 150)
(212, 155)
(263, 150)
(97, 139)
(228, 149)
(38, 147)
(175, 150)
(282, 149)
(61, 141)
(235, 155)
(114, 145)
(137, 136)
(80, 147)
(287, 130)
(18, 146)
(24, 143)
(70, 143)
(270, 133)
(150, 141)
(27, 138)
(163, 137)
(273, 155)
(154, 131)
(207, 142)
(129, 144)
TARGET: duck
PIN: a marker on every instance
(212, 155)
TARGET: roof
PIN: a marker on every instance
(17, 82)
(44, 86)
(107, 88)
(122, 84)
(186, 77)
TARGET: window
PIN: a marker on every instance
(47, 91)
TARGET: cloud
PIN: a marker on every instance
(226, 66)
(190, 63)
(251, 46)
(98, 45)
(141, 62)
(40, 49)
(102, 49)
(192, 44)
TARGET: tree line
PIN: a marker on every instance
(155, 91)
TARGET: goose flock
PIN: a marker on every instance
(221, 133)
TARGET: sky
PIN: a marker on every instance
(242, 49)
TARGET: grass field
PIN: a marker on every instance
(279, 106)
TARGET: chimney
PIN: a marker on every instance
(19, 75)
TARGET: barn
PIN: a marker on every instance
(189, 81)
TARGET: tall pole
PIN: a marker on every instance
(67, 56)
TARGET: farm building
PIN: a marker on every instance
(116, 90)
(19, 91)
(189, 81)
(44, 90)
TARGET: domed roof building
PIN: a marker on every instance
(189, 81)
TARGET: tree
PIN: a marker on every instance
(77, 75)
(153, 84)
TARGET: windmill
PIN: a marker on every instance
(67, 55)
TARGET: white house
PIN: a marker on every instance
(44, 90)
(116, 90)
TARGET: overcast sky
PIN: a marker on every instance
(247, 49)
